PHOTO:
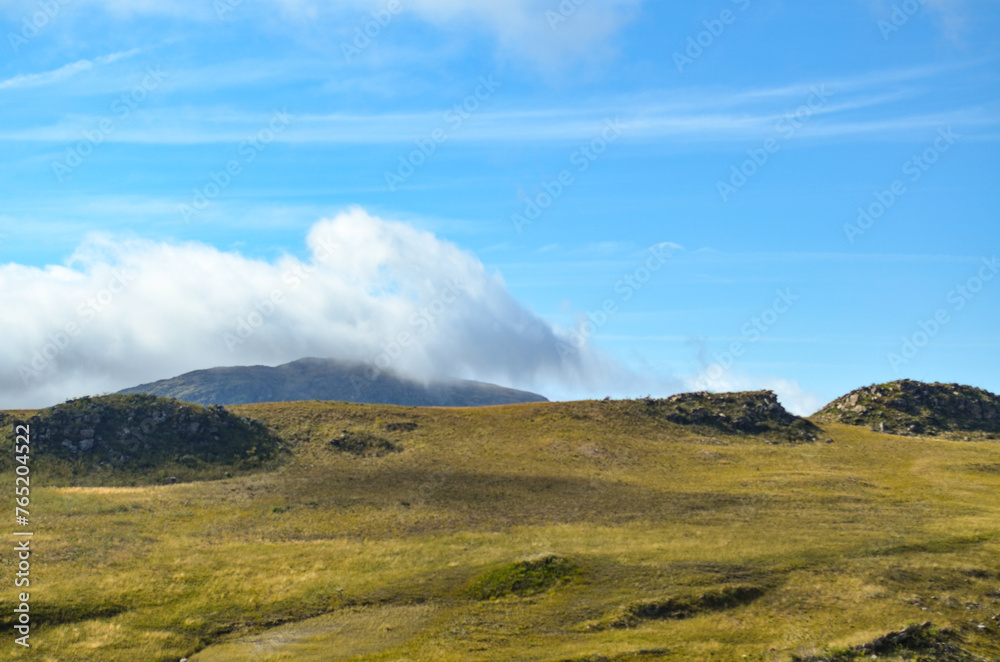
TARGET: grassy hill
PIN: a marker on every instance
(912, 408)
(557, 532)
(327, 379)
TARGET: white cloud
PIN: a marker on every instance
(142, 311)
(537, 28)
(63, 73)
(522, 28)
(687, 116)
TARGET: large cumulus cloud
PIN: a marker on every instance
(123, 311)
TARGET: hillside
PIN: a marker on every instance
(138, 439)
(548, 532)
(326, 379)
(912, 408)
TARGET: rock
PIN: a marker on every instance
(912, 408)
(86, 444)
(86, 434)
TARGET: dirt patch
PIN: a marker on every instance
(363, 444)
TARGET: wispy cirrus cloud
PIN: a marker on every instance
(64, 72)
(865, 106)
(521, 29)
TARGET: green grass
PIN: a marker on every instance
(337, 556)
(523, 578)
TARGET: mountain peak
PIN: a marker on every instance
(314, 378)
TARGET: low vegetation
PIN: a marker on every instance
(507, 533)
(522, 578)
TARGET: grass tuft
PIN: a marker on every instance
(522, 578)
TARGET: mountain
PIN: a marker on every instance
(326, 379)
(912, 408)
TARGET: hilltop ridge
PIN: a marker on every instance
(912, 408)
(327, 379)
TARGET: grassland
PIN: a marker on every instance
(673, 543)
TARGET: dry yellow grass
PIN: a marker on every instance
(341, 557)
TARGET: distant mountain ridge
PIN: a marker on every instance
(326, 379)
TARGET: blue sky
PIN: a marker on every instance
(546, 148)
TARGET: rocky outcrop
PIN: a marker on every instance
(750, 413)
(914, 408)
(144, 431)
(920, 641)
